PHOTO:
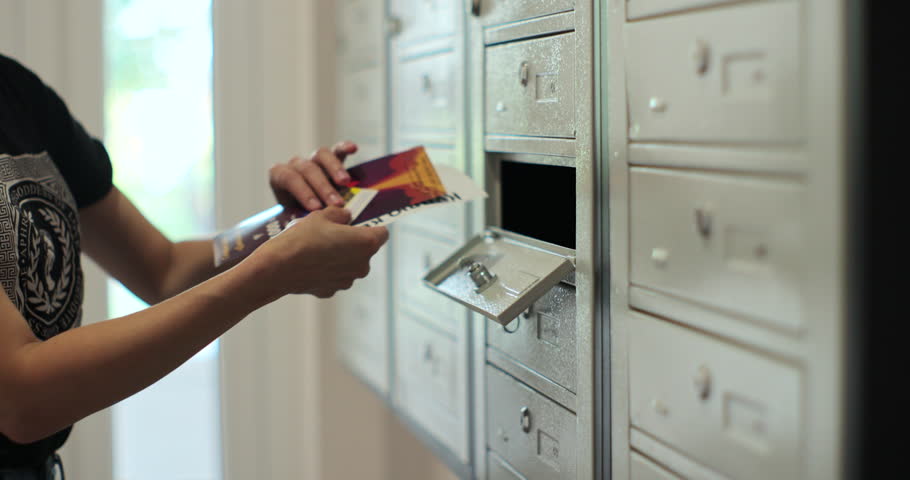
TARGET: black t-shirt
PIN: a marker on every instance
(49, 168)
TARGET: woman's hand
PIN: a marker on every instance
(319, 254)
(311, 182)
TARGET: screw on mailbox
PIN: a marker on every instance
(657, 105)
(660, 256)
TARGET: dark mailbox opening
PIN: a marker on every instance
(538, 201)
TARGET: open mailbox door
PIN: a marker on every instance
(500, 274)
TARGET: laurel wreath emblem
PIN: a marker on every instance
(49, 295)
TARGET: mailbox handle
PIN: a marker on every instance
(704, 221)
(525, 419)
(702, 381)
(701, 56)
(475, 7)
(524, 74)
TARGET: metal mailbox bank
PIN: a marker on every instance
(650, 290)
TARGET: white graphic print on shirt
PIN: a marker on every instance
(39, 244)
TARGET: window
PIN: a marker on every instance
(158, 115)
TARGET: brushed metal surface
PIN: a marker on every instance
(533, 379)
(544, 340)
(362, 322)
(749, 263)
(524, 272)
(565, 148)
(495, 12)
(750, 93)
(361, 106)
(360, 38)
(499, 469)
(537, 27)
(669, 458)
(546, 106)
(423, 20)
(748, 426)
(782, 161)
(431, 380)
(426, 93)
(416, 254)
(644, 469)
(547, 450)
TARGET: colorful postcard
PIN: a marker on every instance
(381, 191)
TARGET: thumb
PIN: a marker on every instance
(380, 234)
(335, 215)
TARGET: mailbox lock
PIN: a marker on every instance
(524, 74)
(702, 382)
(475, 7)
(525, 419)
(481, 277)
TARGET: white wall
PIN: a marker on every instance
(261, 96)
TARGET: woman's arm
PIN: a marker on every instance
(128, 247)
(46, 386)
(117, 236)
